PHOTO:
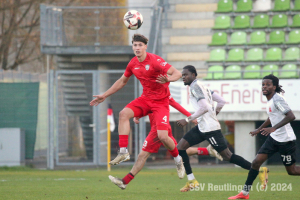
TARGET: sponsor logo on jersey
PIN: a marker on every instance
(270, 110)
(163, 64)
(137, 68)
(194, 93)
(158, 60)
(147, 67)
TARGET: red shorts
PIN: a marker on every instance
(142, 106)
(152, 143)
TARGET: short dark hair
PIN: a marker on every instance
(275, 82)
(139, 38)
(191, 68)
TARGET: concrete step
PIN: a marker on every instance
(185, 48)
(185, 32)
(172, 2)
(76, 96)
(211, 7)
(188, 56)
(74, 90)
(189, 15)
(177, 40)
(205, 23)
(199, 65)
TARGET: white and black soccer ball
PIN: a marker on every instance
(133, 20)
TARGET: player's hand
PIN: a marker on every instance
(136, 120)
(195, 121)
(254, 133)
(97, 100)
(181, 123)
(162, 79)
(267, 131)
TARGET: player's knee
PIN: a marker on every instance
(291, 171)
(163, 138)
(123, 115)
(256, 164)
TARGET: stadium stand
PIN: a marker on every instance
(215, 72)
(267, 42)
(219, 39)
(252, 72)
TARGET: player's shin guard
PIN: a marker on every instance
(240, 161)
(128, 178)
(250, 179)
(174, 152)
(186, 161)
(123, 141)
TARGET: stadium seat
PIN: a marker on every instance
(224, 6)
(261, 21)
(257, 37)
(270, 69)
(273, 54)
(281, 5)
(238, 38)
(276, 37)
(296, 5)
(291, 71)
(252, 71)
(233, 72)
(261, 5)
(294, 37)
(255, 54)
(296, 21)
(292, 54)
(244, 6)
(215, 72)
(219, 39)
(279, 21)
(235, 55)
(217, 55)
(222, 22)
(242, 21)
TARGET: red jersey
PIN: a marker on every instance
(175, 105)
(147, 72)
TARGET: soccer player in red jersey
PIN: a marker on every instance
(155, 76)
(152, 145)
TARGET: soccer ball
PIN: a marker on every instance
(133, 20)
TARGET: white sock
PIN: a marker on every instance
(177, 159)
(190, 176)
(245, 192)
(123, 150)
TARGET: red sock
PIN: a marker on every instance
(202, 151)
(174, 152)
(123, 141)
(128, 178)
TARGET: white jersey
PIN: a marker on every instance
(207, 122)
(277, 107)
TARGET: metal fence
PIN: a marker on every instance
(96, 26)
(78, 132)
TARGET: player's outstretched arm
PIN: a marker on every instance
(203, 108)
(181, 109)
(289, 116)
(220, 102)
(257, 131)
(173, 73)
(119, 84)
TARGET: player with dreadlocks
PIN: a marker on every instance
(281, 137)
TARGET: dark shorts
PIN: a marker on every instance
(287, 150)
(215, 138)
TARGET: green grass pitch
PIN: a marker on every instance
(24, 183)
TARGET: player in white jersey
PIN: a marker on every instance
(208, 127)
(281, 137)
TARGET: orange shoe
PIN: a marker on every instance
(240, 196)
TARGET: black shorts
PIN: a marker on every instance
(287, 150)
(215, 138)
